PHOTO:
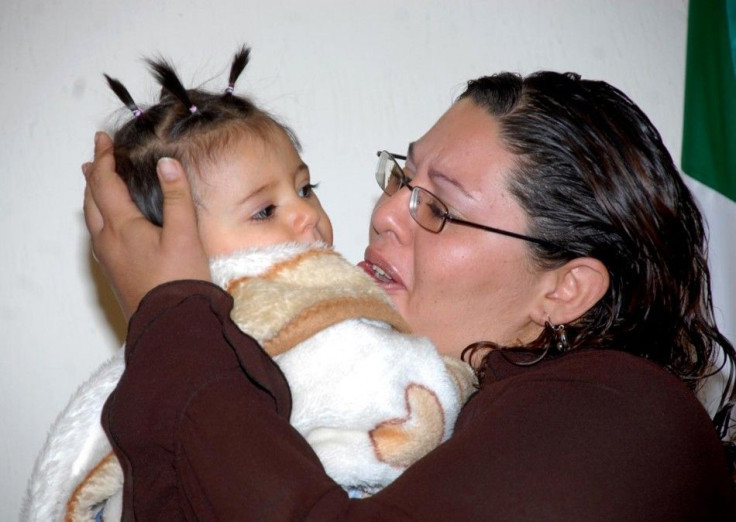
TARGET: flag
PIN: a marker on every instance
(709, 142)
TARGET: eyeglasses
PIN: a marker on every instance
(427, 209)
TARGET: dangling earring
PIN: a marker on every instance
(560, 344)
(560, 335)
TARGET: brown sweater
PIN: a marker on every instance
(199, 422)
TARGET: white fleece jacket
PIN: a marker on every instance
(359, 381)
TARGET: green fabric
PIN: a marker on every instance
(709, 135)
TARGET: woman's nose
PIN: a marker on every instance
(391, 215)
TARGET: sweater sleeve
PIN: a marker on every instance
(180, 345)
(199, 422)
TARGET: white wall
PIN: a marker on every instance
(351, 77)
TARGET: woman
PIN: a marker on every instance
(547, 230)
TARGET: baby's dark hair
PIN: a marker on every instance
(191, 125)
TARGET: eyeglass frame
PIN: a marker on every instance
(446, 216)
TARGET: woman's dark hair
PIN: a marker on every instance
(193, 126)
(594, 177)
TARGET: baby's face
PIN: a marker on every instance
(257, 194)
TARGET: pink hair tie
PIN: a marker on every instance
(137, 113)
(193, 109)
(230, 89)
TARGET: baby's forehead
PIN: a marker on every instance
(271, 147)
(259, 139)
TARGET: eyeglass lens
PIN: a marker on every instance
(427, 210)
(389, 175)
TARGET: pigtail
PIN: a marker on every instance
(175, 127)
(239, 62)
(122, 93)
(167, 78)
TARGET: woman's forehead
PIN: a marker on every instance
(464, 147)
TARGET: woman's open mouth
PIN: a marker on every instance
(381, 271)
(376, 272)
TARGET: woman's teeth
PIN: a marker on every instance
(381, 274)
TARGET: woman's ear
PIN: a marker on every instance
(574, 288)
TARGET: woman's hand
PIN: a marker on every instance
(136, 255)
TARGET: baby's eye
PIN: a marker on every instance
(307, 190)
(266, 213)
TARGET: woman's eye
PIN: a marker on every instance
(307, 190)
(437, 210)
(408, 173)
(266, 213)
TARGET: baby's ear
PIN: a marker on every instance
(574, 288)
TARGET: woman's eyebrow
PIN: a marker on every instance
(410, 152)
(437, 175)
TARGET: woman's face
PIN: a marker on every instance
(461, 285)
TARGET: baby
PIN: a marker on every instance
(369, 397)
